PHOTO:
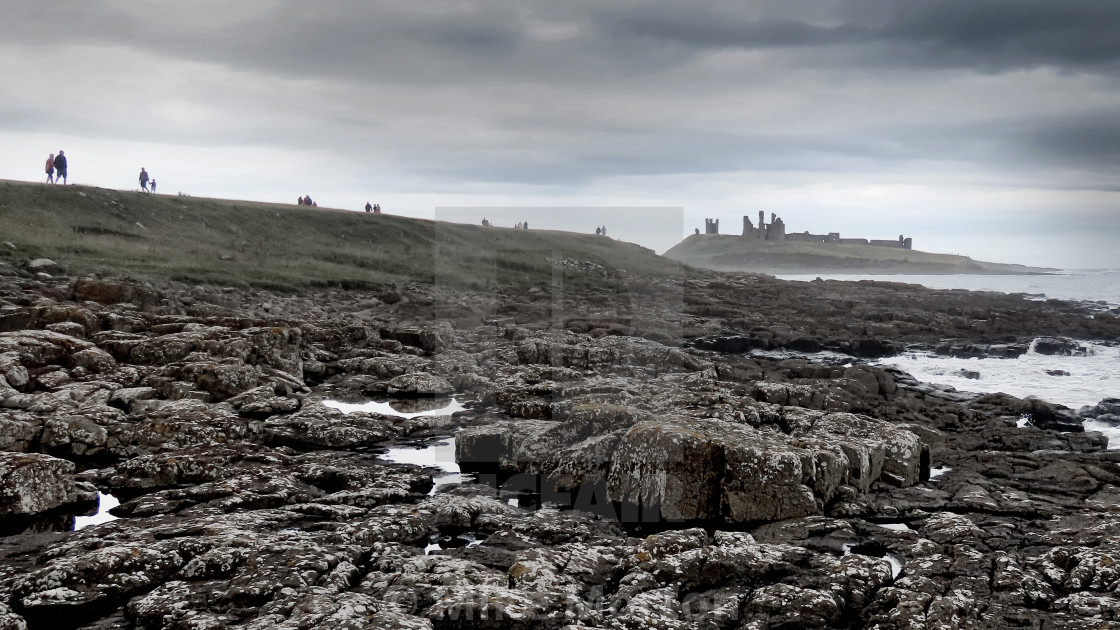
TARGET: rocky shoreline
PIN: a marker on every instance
(637, 464)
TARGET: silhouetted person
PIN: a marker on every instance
(377, 208)
(143, 179)
(369, 207)
(60, 167)
(153, 185)
(307, 201)
(300, 202)
(50, 169)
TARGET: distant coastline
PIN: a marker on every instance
(736, 253)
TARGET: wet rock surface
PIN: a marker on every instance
(656, 457)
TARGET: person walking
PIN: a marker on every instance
(369, 207)
(60, 167)
(153, 185)
(143, 179)
(50, 169)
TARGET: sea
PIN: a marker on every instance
(1074, 382)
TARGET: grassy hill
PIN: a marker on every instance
(287, 247)
(734, 253)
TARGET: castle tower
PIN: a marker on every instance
(761, 225)
(777, 230)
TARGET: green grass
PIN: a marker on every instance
(289, 247)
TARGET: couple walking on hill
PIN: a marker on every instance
(56, 168)
(144, 181)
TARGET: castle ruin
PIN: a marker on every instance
(775, 230)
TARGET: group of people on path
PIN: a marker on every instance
(375, 208)
(601, 230)
(521, 225)
(306, 201)
(56, 167)
(144, 181)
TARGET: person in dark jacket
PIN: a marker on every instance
(369, 207)
(60, 167)
(143, 179)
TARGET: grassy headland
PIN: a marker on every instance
(734, 253)
(288, 247)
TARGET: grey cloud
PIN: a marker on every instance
(1084, 143)
(480, 65)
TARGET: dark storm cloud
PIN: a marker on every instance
(713, 28)
(493, 41)
(992, 35)
(1004, 34)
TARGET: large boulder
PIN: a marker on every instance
(707, 469)
(35, 348)
(31, 483)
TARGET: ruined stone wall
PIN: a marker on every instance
(749, 230)
(806, 237)
(884, 243)
(776, 231)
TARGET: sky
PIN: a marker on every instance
(989, 129)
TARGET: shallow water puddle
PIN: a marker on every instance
(437, 544)
(439, 454)
(896, 565)
(934, 473)
(387, 409)
(105, 502)
(893, 560)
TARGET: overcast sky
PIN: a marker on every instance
(990, 129)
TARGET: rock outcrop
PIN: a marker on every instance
(707, 453)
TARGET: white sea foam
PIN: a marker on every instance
(1075, 382)
(1070, 381)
